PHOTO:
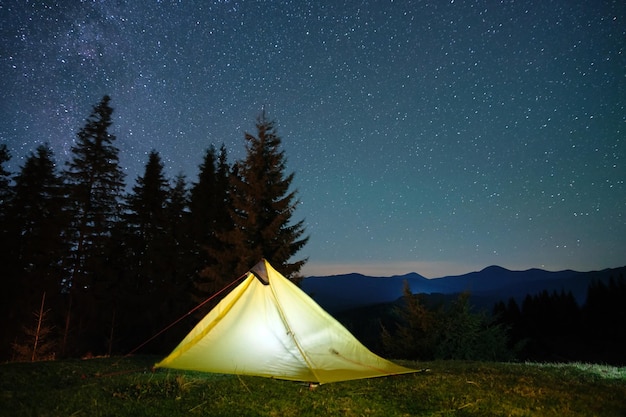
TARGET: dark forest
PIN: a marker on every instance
(544, 327)
(89, 268)
(93, 267)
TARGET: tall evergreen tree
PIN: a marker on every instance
(178, 229)
(95, 182)
(209, 204)
(175, 299)
(209, 198)
(148, 246)
(37, 214)
(178, 205)
(39, 225)
(261, 210)
(414, 336)
(146, 207)
(468, 335)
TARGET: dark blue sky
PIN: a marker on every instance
(438, 137)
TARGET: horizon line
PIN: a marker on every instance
(427, 269)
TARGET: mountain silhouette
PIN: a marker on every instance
(348, 291)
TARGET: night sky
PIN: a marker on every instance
(437, 137)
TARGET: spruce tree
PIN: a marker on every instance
(461, 333)
(95, 182)
(414, 336)
(38, 225)
(262, 205)
(37, 214)
(175, 299)
(209, 219)
(178, 230)
(209, 199)
(37, 341)
(148, 248)
(146, 204)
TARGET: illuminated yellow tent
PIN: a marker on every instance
(268, 327)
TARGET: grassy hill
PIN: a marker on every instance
(128, 387)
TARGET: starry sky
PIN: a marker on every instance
(438, 137)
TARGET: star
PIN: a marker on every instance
(438, 137)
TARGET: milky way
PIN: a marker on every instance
(436, 137)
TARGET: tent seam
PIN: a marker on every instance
(293, 335)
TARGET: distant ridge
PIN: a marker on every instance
(494, 283)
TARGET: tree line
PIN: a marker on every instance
(89, 268)
(553, 327)
(545, 327)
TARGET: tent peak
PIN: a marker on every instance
(260, 271)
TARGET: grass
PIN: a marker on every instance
(127, 387)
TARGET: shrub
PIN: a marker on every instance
(450, 331)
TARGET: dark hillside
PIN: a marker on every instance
(344, 292)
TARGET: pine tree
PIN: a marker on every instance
(261, 206)
(210, 218)
(414, 335)
(209, 201)
(467, 335)
(146, 214)
(178, 230)
(157, 285)
(37, 213)
(38, 341)
(147, 249)
(95, 182)
(177, 207)
(175, 298)
(38, 226)
(509, 316)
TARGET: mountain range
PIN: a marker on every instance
(338, 293)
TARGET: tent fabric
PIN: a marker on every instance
(269, 327)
